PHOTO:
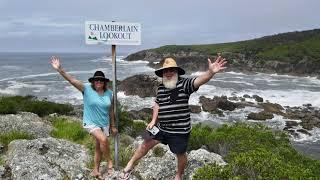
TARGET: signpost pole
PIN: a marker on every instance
(114, 86)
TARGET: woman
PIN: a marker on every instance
(97, 113)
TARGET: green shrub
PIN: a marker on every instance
(213, 172)
(138, 127)
(1, 161)
(158, 151)
(125, 122)
(6, 138)
(125, 154)
(70, 130)
(252, 152)
(13, 104)
(7, 107)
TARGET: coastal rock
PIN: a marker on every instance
(222, 103)
(272, 108)
(164, 167)
(77, 111)
(309, 116)
(189, 63)
(195, 108)
(263, 115)
(143, 114)
(1, 148)
(304, 132)
(257, 98)
(25, 122)
(47, 158)
(140, 85)
(291, 123)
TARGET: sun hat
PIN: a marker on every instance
(169, 63)
(98, 75)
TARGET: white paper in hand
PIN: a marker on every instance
(154, 130)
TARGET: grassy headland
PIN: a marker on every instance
(286, 46)
(296, 53)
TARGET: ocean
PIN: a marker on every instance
(32, 74)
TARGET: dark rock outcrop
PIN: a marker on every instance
(211, 105)
(272, 108)
(309, 116)
(141, 85)
(263, 115)
(143, 114)
(195, 108)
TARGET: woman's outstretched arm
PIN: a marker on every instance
(55, 62)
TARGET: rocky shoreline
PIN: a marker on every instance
(237, 62)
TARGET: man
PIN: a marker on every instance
(171, 113)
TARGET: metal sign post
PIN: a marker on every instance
(114, 86)
(113, 33)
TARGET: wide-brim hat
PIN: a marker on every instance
(169, 63)
(98, 75)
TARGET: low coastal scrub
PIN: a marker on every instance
(14, 104)
(253, 152)
(292, 46)
(70, 130)
(1, 161)
(158, 151)
(6, 138)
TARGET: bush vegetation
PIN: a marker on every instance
(13, 104)
(290, 46)
(252, 152)
(158, 151)
(6, 138)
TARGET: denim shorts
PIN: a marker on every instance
(177, 143)
(91, 127)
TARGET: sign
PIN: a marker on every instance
(113, 33)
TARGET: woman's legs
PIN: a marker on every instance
(97, 157)
(102, 148)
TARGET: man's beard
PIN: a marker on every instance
(170, 83)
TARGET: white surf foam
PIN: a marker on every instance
(8, 67)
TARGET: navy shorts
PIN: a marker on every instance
(177, 142)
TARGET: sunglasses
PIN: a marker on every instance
(99, 80)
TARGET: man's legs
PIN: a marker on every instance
(182, 162)
(142, 150)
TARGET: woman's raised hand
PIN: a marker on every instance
(55, 62)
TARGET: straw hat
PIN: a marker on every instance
(98, 75)
(169, 63)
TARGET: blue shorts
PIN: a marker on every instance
(177, 143)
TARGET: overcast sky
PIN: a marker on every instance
(58, 25)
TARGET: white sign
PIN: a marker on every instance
(113, 33)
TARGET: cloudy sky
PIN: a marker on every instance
(58, 25)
